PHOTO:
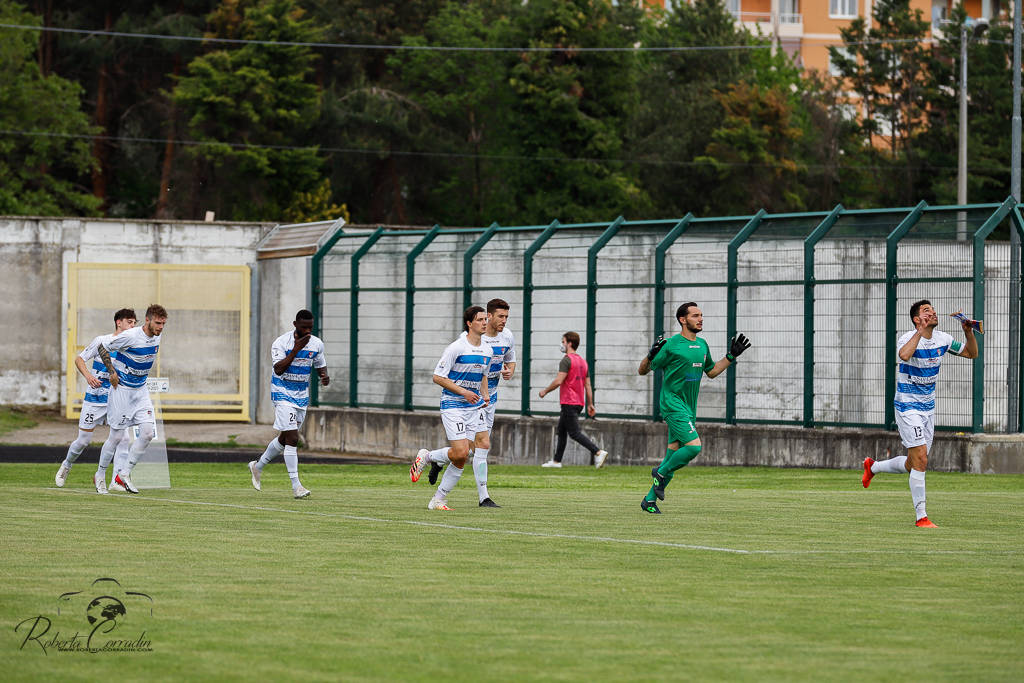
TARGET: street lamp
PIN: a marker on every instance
(977, 28)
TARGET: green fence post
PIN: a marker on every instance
(528, 312)
(1017, 223)
(467, 264)
(809, 243)
(410, 292)
(316, 273)
(659, 298)
(978, 367)
(595, 248)
(734, 248)
(353, 328)
(891, 282)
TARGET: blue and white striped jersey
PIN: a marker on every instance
(503, 350)
(292, 386)
(136, 353)
(915, 378)
(91, 352)
(464, 364)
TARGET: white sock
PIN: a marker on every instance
(897, 465)
(917, 492)
(480, 472)
(448, 481)
(291, 463)
(274, 449)
(440, 456)
(109, 447)
(77, 446)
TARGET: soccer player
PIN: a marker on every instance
(129, 357)
(920, 352)
(503, 364)
(573, 384)
(685, 358)
(462, 375)
(295, 355)
(94, 405)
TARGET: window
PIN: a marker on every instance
(842, 9)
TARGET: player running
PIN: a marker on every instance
(461, 373)
(129, 357)
(94, 404)
(920, 352)
(503, 364)
(685, 358)
(295, 354)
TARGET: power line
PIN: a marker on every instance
(403, 153)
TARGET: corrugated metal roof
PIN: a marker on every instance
(297, 239)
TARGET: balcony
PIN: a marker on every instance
(783, 24)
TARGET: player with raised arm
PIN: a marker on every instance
(920, 357)
(94, 404)
(129, 402)
(462, 375)
(503, 364)
(295, 355)
(685, 359)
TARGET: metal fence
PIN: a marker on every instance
(822, 295)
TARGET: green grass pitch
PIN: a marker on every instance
(750, 574)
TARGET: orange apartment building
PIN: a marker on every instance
(807, 28)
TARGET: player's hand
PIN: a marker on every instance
(738, 345)
(591, 410)
(114, 381)
(93, 382)
(470, 396)
(967, 326)
(300, 342)
(655, 347)
(543, 393)
(324, 380)
(506, 372)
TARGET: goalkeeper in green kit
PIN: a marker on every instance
(684, 358)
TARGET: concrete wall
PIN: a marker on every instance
(530, 441)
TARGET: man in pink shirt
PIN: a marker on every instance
(573, 384)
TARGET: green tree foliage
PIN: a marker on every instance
(250, 107)
(44, 150)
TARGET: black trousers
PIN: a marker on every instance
(569, 423)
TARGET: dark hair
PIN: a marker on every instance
(573, 338)
(496, 304)
(304, 315)
(916, 308)
(682, 310)
(470, 313)
(125, 313)
(156, 311)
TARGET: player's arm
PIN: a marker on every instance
(325, 379)
(738, 345)
(970, 349)
(451, 386)
(104, 355)
(507, 370)
(645, 364)
(485, 389)
(282, 365)
(83, 370)
(555, 383)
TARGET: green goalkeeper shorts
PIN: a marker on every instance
(681, 427)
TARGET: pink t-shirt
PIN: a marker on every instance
(572, 391)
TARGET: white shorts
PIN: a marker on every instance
(489, 415)
(93, 415)
(916, 429)
(288, 417)
(464, 423)
(128, 406)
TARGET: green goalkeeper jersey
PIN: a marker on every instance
(684, 363)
